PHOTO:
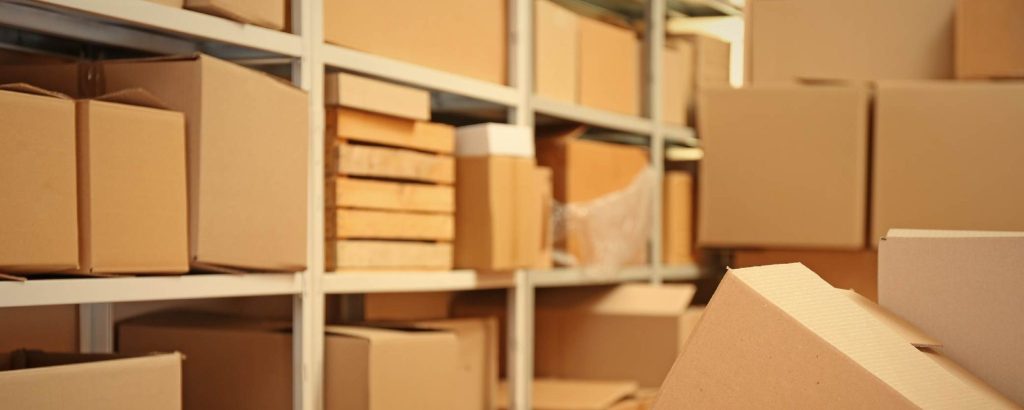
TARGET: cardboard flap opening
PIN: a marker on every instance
(26, 88)
(134, 96)
(904, 329)
(372, 333)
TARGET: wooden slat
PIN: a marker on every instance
(393, 163)
(357, 223)
(394, 196)
(386, 255)
(356, 125)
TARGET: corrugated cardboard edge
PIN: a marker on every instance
(134, 96)
(26, 88)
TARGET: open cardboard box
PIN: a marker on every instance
(779, 336)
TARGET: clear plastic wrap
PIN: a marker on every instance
(606, 233)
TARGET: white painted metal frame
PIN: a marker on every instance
(147, 26)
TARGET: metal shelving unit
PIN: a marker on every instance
(147, 28)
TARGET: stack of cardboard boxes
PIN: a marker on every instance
(202, 196)
(390, 178)
(848, 132)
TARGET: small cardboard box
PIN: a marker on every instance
(583, 333)
(37, 162)
(497, 197)
(567, 394)
(557, 53)
(988, 39)
(854, 270)
(927, 176)
(52, 381)
(967, 289)
(377, 96)
(609, 67)
(248, 157)
(372, 368)
(266, 13)
(465, 37)
(132, 208)
(51, 328)
(677, 218)
(864, 40)
(477, 367)
(792, 173)
(586, 172)
(677, 82)
(232, 362)
(780, 337)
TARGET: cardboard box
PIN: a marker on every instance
(792, 173)
(677, 82)
(691, 318)
(385, 255)
(133, 215)
(37, 160)
(988, 34)
(557, 53)
(173, 3)
(497, 216)
(265, 13)
(377, 96)
(864, 40)
(477, 366)
(232, 362)
(584, 171)
(855, 270)
(677, 218)
(248, 156)
(581, 333)
(465, 37)
(966, 289)
(780, 337)
(408, 306)
(371, 368)
(566, 394)
(921, 157)
(59, 76)
(50, 328)
(52, 381)
(609, 72)
(547, 208)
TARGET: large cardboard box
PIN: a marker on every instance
(248, 146)
(780, 337)
(367, 94)
(267, 13)
(466, 37)
(50, 328)
(609, 67)
(374, 369)
(557, 52)
(967, 289)
(133, 210)
(988, 39)
(848, 40)
(59, 76)
(38, 380)
(927, 175)
(710, 61)
(677, 218)
(791, 173)
(606, 188)
(231, 362)
(677, 82)
(477, 366)
(583, 333)
(855, 270)
(567, 394)
(37, 160)
(497, 213)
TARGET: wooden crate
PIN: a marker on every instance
(367, 224)
(354, 125)
(393, 163)
(359, 193)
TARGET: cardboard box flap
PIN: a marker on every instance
(565, 394)
(960, 373)
(25, 88)
(379, 334)
(197, 56)
(31, 359)
(564, 132)
(907, 331)
(935, 233)
(804, 344)
(134, 96)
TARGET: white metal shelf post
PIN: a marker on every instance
(520, 295)
(654, 44)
